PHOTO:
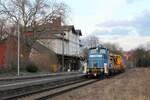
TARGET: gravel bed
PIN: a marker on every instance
(133, 84)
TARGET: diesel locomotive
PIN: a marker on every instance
(102, 62)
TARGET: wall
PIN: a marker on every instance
(8, 52)
(2, 54)
(71, 46)
(45, 60)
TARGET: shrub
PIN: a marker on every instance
(32, 68)
(13, 66)
(3, 70)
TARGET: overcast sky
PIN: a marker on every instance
(125, 22)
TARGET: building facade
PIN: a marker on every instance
(64, 40)
(8, 52)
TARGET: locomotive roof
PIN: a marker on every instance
(99, 47)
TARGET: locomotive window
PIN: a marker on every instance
(93, 51)
(102, 51)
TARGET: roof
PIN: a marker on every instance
(71, 27)
(43, 30)
(68, 27)
(78, 32)
(39, 47)
(100, 46)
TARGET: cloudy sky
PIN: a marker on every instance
(125, 22)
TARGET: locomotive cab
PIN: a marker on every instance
(98, 61)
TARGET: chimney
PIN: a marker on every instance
(57, 22)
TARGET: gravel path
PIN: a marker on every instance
(131, 85)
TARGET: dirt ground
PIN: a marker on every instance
(134, 84)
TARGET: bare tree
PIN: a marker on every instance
(85, 53)
(32, 12)
(140, 57)
(3, 29)
(91, 41)
(114, 48)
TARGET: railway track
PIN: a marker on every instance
(15, 79)
(13, 91)
(57, 90)
(43, 89)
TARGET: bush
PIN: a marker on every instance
(3, 70)
(13, 66)
(32, 68)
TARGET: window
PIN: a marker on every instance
(102, 51)
(93, 51)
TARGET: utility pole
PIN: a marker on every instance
(63, 34)
(18, 69)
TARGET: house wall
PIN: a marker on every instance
(44, 60)
(71, 44)
(2, 54)
(8, 52)
(74, 47)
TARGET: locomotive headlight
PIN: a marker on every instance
(87, 70)
(105, 64)
(105, 68)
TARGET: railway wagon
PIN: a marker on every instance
(116, 61)
(98, 62)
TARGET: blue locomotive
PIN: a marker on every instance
(98, 61)
(102, 62)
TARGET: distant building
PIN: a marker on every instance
(54, 36)
(8, 52)
(3, 48)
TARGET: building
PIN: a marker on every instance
(8, 52)
(43, 57)
(64, 40)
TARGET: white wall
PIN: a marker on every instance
(71, 47)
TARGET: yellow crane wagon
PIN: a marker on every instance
(117, 62)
